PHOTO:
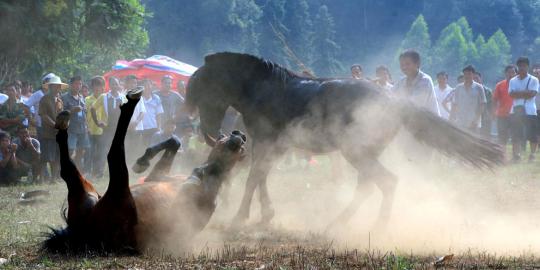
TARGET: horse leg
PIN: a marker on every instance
(261, 165)
(116, 213)
(80, 202)
(370, 171)
(163, 166)
(143, 162)
(386, 182)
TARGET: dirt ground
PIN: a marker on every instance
(487, 219)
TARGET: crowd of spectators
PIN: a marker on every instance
(509, 113)
(28, 148)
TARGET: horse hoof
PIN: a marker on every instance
(267, 216)
(238, 221)
(140, 166)
(135, 93)
(62, 120)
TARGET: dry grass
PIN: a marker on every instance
(301, 196)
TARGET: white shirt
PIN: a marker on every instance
(3, 98)
(419, 91)
(140, 108)
(517, 84)
(441, 96)
(153, 109)
(33, 103)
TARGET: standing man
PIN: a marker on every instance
(11, 112)
(96, 120)
(78, 142)
(536, 73)
(384, 80)
(502, 103)
(172, 104)
(108, 105)
(49, 107)
(357, 72)
(442, 90)
(487, 118)
(416, 86)
(154, 111)
(468, 102)
(523, 89)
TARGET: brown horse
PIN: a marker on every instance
(163, 212)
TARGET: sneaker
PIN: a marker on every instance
(62, 120)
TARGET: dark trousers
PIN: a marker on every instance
(97, 154)
(503, 129)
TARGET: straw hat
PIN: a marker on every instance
(55, 80)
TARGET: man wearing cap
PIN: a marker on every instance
(468, 102)
(49, 107)
(73, 101)
(33, 103)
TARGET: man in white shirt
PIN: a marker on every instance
(468, 102)
(523, 89)
(154, 109)
(416, 86)
(442, 90)
(33, 103)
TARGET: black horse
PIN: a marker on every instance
(283, 109)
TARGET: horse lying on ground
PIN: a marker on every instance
(282, 109)
(161, 213)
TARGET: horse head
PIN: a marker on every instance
(207, 97)
(227, 150)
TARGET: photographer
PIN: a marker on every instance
(11, 169)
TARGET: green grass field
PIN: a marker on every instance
(487, 219)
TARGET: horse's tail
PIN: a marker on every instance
(438, 133)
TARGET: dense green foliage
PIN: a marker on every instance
(329, 35)
(68, 36)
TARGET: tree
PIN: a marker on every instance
(451, 50)
(70, 36)
(299, 29)
(325, 61)
(418, 38)
(494, 55)
(244, 15)
(273, 13)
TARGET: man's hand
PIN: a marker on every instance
(101, 124)
(27, 141)
(13, 147)
(76, 109)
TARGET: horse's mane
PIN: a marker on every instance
(260, 65)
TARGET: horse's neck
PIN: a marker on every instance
(212, 179)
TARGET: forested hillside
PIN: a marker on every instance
(329, 35)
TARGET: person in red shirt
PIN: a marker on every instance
(502, 104)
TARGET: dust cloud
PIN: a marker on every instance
(440, 205)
